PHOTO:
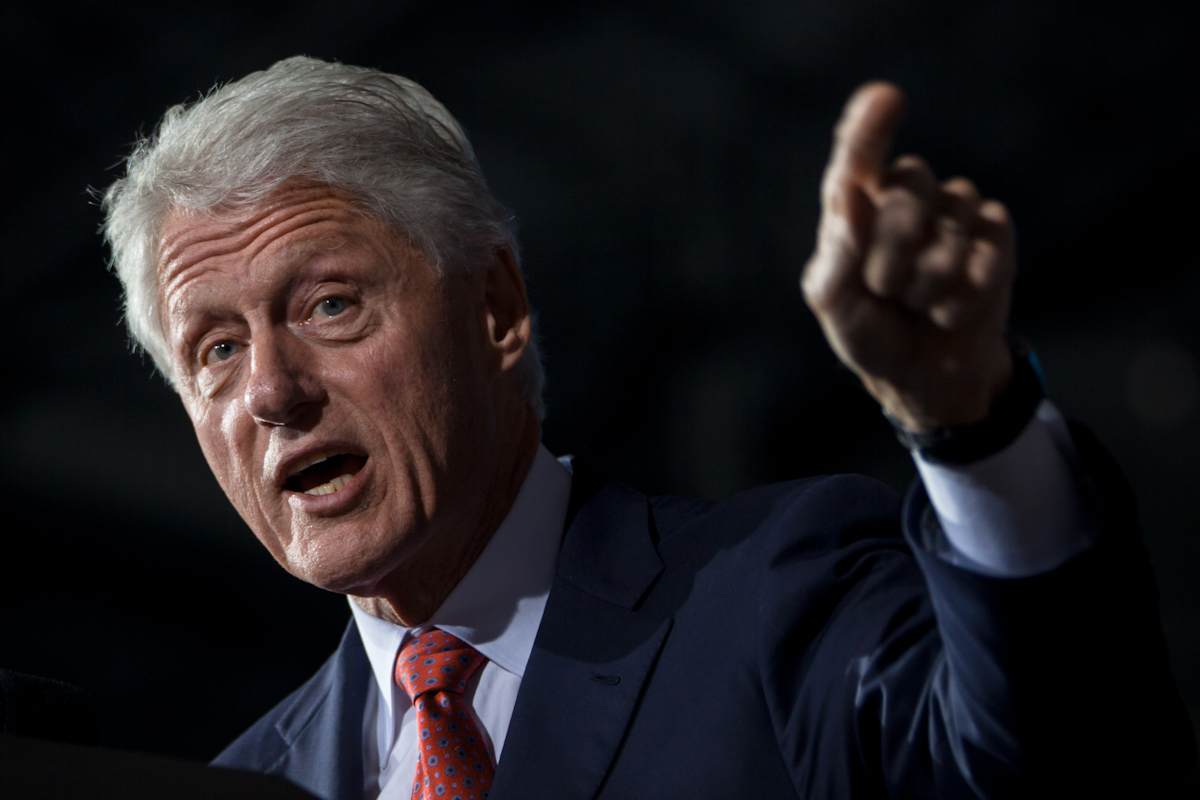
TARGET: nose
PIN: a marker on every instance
(282, 385)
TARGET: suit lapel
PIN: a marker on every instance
(322, 730)
(593, 654)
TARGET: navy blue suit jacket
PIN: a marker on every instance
(791, 642)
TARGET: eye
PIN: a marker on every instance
(221, 351)
(329, 307)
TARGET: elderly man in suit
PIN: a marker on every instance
(312, 258)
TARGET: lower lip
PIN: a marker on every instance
(328, 505)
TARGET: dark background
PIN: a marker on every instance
(664, 164)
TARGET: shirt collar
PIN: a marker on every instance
(497, 606)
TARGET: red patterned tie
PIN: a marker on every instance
(454, 763)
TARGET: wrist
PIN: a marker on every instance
(951, 390)
(1001, 421)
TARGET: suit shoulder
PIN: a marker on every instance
(848, 506)
(268, 739)
(835, 509)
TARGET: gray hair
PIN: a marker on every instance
(381, 138)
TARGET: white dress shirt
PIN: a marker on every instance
(1015, 513)
(496, 608)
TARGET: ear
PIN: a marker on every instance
(509, 324)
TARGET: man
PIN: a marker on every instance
(312, 258)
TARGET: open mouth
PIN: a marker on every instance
(325, 472)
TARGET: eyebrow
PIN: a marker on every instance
(194, 317)
(197, 305)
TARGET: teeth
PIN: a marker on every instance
(333, 486)
(314, 458)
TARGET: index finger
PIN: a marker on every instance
(863, 138)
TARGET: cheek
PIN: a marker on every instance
(207, 427)
(403, 377)
(217, 431)
(229, 427)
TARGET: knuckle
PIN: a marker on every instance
(876, 275)
(936, 263)
(819, 281)
(912, 163)
(914, 174)
(885, 275)
(995, 212)
(903, 218)
(960, 201)
(988, 267)
(962, 187)
(951, 315)
(945, 257)
(952, 232)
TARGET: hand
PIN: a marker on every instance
(911, 279)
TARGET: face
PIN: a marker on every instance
(344, 394)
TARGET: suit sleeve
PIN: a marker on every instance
(1017, 512)
(894, 673)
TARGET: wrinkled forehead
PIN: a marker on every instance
(189, 236)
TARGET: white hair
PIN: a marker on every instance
(382, 139)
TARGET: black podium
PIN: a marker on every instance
(32, 769)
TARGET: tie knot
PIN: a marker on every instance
(436, 661)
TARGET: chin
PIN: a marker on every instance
(340, 561)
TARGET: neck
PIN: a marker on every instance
(410, 595)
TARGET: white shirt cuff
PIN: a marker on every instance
(1018, 512)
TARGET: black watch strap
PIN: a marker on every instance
(1008, 416)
